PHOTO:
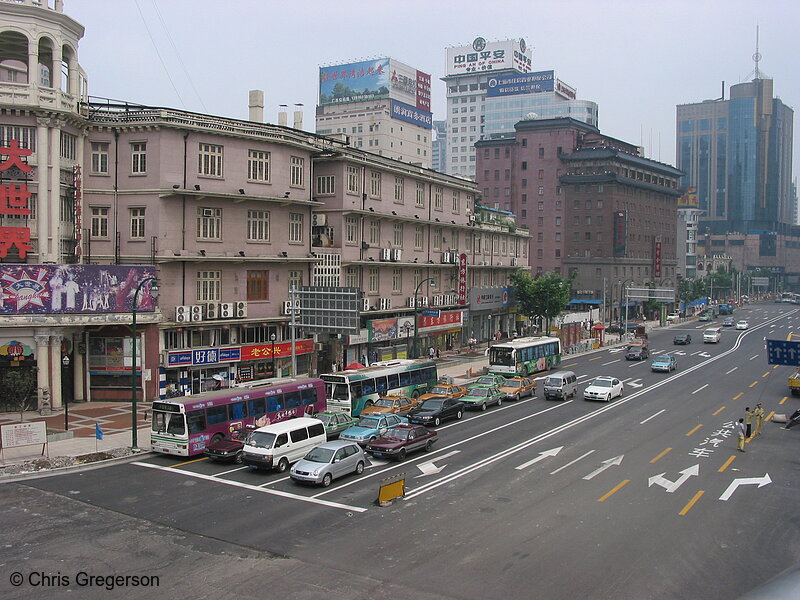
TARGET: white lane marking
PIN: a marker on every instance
(760, 481)
(752, 357)
(697, 352)
(700, 388)
(731, 371)
(652, 416)
(542, 456)
(253, 488)
(635, 383)
(572, 462)
(581, 376)
(231, 471)
(607, 464)
(429, 468)
(636, 364)
(611, 362)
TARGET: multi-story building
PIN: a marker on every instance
(382, 105)
(687, 236)
(224, 217)
(439, 148)
(597, 210)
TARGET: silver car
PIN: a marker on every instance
(330, 460)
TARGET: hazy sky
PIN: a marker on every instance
(636, 59)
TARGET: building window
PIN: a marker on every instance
(419, 200)
(139, 158)
(375, 184)
(258, 285)
(375, 233)
(437, 238)
(294, 279)
(258, 226)
(209, 223)
(541, 190)
(69, 146)
(351, 230)
(456, 202)
(326, 185)
(209, 160)
(351, 277)
(397, 281)
(295, 228)
(137, 223)
(353, 177)
(541, 204)
(541, 173)
(26, 136)
(208, 286)
(541, 151)
(100, 221)
(296, 171)
(67, 210)
(437, 198)
(398, 235)
(418, 237)
(100, 158)
(398, 189)
(258, 166)
(372, 280)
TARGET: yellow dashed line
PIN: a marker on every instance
(614, 490)
(660, 456)
(784, 399)
(765, 374)
(693, 430)
(754, 384)
(598, 357)
(769, 416)
(691, 503)
(187, 462)
(719, 410)
(737, 396)
(726, 464)
(570, 365)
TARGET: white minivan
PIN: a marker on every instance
(278, 445)
(712, 335)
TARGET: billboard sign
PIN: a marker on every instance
(489, 298)
(462, 279)
(783, 352)
(657, 258)
(566, 91)
(373, 80)
(620, 232)
(483, 55)
(411, 114)
(527, 83)
(689, 199)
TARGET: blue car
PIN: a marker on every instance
(665, 362)
(371, 427)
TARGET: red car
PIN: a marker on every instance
(230, 447)
(398, 441)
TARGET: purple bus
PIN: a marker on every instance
(184, 427)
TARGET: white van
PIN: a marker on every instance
(712, 335)
(278, 445)
(561, 385)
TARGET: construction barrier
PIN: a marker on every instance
(391, 488)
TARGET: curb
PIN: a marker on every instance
(74, 468)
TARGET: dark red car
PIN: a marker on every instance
(230, 447)
(398, 441)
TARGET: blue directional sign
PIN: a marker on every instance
(430, 312)
(781, 352)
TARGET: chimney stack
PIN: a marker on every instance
(256, 106)
(298, 116)
(283, 115)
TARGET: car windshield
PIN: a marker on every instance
(369, 423)
(479, 392)
(553, 381)
(439, 389)
(385, 403)
(397, 434)
(485, 380)
(319, 455)
(602, 383)
(513, 383)
(240, 435)
(261, 439)
(326, 419)
(432, 404)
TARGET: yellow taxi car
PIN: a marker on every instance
(516, 387)
(447, 390)
(396, 405)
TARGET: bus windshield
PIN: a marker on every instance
(502, 356)
(336, 391)
(172, 423)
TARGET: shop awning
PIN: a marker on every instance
(581, 301)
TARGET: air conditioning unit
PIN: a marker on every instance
(288, 309)
(437, 300)
(514, 261)
(386, 303)
(423, 301)
(386, 254)
(471, 218)
(365, 304)
(411, 302)
(212, 310)
(226, 310)
(208, 212)
(183, 314)
(240, 310)
(319, 346)
(445, 258)
(454, 258)
(196, 312)
(484, 262)
(397, 254)
(319, 219)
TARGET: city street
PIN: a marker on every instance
(643, 497)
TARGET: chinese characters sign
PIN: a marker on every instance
(462, 278)
(657, 258)
(528, 83)
(489, 56)
(14, 201)
(620, 232)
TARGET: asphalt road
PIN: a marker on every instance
(643, 497)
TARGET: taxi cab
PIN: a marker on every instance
(447, 390)
(516, 387)
(395, 405)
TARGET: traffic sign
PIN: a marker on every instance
(430, 312)
(782, 352)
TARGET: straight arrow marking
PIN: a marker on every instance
(760, 481)
(611, 462)
(542, 456)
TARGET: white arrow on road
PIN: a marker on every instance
(679, 353)
(671, 486)
(634, 383)
(704, 354)
(428, 468)
(760, 481)
(542, 456)
(615, 350)
(611, 462)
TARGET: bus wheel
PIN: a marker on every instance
(283, 464)
(369, 403)
(217, 438)
(415, 394)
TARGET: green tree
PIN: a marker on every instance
(543, 297)
(18, 386)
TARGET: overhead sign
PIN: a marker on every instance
(527, 83)
(430, 312)
(760, 281)
(782, 352)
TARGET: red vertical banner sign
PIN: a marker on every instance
(462, 279)
(14, 200)
(78, 200)
(657, 258)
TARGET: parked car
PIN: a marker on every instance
(743, 324)
(665, 362)
(517, 387)
(401, 440)
(613, 329)
(447, 390)
(335, 421)
(371, 427)
(682, 339)
(637, 353)
(604, 388)
(229, 449)
(490, 379)
(482, 396)
(435, 410)
(396, 405)
(728, 322)
(329, 461)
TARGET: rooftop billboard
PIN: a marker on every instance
(483, 55)
(372, 80)
(527, 83)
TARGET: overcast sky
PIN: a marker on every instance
(636, 59)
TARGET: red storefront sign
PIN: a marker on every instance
(14, 201)
(657, 259)
(462, 279)
(445, 318)
(282, 349)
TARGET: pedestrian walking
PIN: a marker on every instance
(431, 352)
(759, 415)
(740, 430)
(748, 421)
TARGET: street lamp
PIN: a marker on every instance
(153, 294)
(272, 339)
(416, 320)
(65, 362)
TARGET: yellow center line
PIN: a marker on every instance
(691, 503)
(775, 367)
(726, 464)
(769, 416)
(570, 365)
(660, 456)
(719, 410)
(693, 430)
(598, 357)
(737, 396)
(754, 384)
(784, 399)
(765, 374)
(614, 490)
(187, 462)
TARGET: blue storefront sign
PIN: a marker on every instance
(412, 114)
(207, 356)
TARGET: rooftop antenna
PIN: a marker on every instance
(757, 57)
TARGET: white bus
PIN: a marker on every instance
(525, 356)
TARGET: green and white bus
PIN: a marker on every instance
(525, 356)
(352, 390)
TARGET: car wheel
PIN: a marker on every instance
(499, 402)
(359, 468)
(372, 439)
(437, 421)
(483, 406)
(459, 414)
(608, 398)
(238, 458)
(428, 446)
(402, 454)
(283, 464)
(326, 481)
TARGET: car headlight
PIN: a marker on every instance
(315, 472)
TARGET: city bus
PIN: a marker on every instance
(524, 356)
(355, 389)
(185, 427)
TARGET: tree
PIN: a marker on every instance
(18, 385)
(543, 297)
